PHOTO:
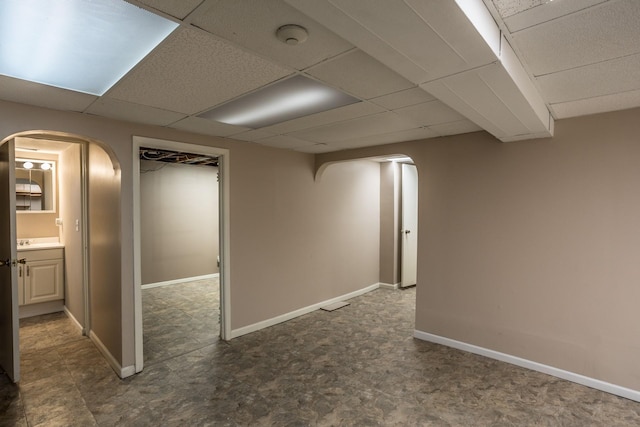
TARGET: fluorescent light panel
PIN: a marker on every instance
(81, 45)
(288, 99)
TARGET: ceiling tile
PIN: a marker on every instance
(207, 127)
(512, 7)
(361, 127)
(600, 104)
(316, 148)
(546, 12)
(359, 74)
(429, 113)
(176, 8)
(253, 24)
(603, 78)
(455, 128)
(192, 71)
(597, 34)
(388, 138)
(403, 98)
(121, 110)
(251, 135)
(283, 141)
(352, 111)
(25, 92)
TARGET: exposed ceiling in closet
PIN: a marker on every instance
(419, 69)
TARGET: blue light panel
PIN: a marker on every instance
(81, 45)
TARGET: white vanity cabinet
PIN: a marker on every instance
(41, 277)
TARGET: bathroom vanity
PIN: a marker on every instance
(40, 279)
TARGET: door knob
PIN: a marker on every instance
(6, 262)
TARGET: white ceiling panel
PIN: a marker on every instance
(404, 98)
(253, 24)
(357, 128)
(252, 135)
(126, 111)
(337, 21)
(176, 8)
(597, 34)
(283, 141)
(430, 29)
(599, 79)
(193, 71)
(388, 138)
(545, 12)
(207, 127)
(600, 104)
(359, 74)
(316, 148)
(25, 92)
(489, 98)
(455, 128)
(512, 7)
(348, 112)
(429, 113)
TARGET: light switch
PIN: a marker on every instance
(77, 225)
(58, 221)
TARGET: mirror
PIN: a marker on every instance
(35, 185)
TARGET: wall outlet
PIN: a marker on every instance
(58, 221)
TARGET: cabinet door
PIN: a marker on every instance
(43, 281)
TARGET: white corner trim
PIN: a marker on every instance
(299, 312)
(176, 281)
(125, 372)
(73, 318)
(389, 285)
(529, 364)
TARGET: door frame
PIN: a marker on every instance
(223, 231)
(404, 282)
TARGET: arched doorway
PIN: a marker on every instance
(86, 232)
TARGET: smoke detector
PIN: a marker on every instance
(292, 34)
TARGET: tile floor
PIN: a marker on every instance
(357, 366)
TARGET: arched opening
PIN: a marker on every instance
(68, 249)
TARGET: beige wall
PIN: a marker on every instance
(294, 241)
(532, 248)
(179, 227)
(389, 223)
(71, 210)
(104, 250)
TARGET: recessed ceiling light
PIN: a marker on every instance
(286, 100)
(81, 45)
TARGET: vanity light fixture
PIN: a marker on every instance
(27, 165)
(45, 166)
(81, 45)
(285, 100)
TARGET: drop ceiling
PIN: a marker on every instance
(419, 69)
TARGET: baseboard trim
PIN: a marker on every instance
(177, 281)
(125, 372)
(73, 318)
(529, 364)
(301, 311)
(389, 285)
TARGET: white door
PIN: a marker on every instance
(9, 338)
(409, 232)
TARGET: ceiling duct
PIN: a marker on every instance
(167, 156)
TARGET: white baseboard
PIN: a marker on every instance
(73, 318)
(389, 285)
(535, 366)
(177, 281)
(301, 311)
(125, 372)
(39, 309)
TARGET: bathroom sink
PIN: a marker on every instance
(34, 245)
